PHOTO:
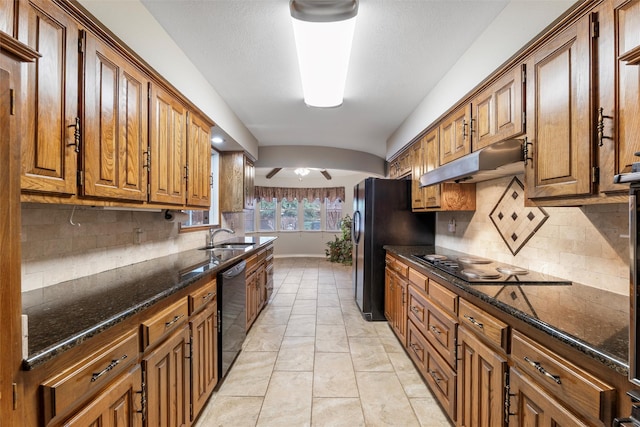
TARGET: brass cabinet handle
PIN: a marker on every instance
(109, 367)
(435, 376)
(525, 151)
(600, 127)
(474, 321)
(172, 321)
(414, 309)
(537, 366)
(435, 330)
(76, 135)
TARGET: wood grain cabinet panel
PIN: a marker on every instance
(579, 390)
(618, 110)
(418, 161)
(7, 16)
(168, 142)
(50, 100)
(531, 406)
(168, 382)
(558, 111)
(199, 178)
(249, 184)
(63, 391)
(204, 356)
(119, 405)
(232, 178)
(485, 325)
(481, 393)
(455, 135)
(165, 322)
(115, 125)
(497, 111)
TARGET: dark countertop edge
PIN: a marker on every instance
(39, 358)
(606, 359)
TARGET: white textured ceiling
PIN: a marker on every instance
(401, 49)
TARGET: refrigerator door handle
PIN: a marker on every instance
(356, 227)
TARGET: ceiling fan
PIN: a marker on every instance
(300, 172)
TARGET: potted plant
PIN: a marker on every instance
(339, 250)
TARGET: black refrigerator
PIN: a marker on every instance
(382, 216)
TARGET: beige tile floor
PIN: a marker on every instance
(311, 360)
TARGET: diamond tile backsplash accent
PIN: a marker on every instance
(515, 222)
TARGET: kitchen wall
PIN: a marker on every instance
(54, 250)
(588, 245)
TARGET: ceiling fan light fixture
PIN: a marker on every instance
(323, 31)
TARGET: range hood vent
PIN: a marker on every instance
(494, 161)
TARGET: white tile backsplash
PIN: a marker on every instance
(588, 244)
(55, 251)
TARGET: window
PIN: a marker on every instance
(267, 212)
(292, 215)
(333, 214)
(311, 214)
(289, 215)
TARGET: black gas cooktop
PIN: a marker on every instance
(478, 270)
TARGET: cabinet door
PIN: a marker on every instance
(249, 177)
(418, 168)
(388, 295)
(168, 140)
(199, 162)
(617, 123)
(204, 357)
(558, 112)
(455, 138)
(168, 386)
(115, 123)
(251, 299)
(432, 161)
(481, 373)
(531, 406)
(497, 111)
(50, 100)
(116, 406)
(400, 296)
(232, 182)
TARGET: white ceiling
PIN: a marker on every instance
(401, 49)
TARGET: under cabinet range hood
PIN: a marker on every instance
(503, 158)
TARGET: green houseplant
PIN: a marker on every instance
(339, 250)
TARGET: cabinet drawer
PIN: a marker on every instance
(88, 376)
(397, 266)
(438, 327)
(252, 264)
(577, 388)
(484, 324)
(442, 296)
(164, 322)
(418, 279)
(202, 296)
(440, 377)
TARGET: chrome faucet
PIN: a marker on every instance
(214, 231)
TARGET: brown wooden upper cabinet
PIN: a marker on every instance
(199, 179)
(497, 110)
(558, 113)
(401, 165)
(168, 145)
(115, 125)
(455, 134)
(236, 182)
(617, 113)
(418, 161)
(49, 96)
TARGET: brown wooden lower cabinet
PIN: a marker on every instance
(167, 379)
(119, 405)
(481, 374)
(204, 356)
(531, 406)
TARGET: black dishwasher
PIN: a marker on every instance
(232, 291)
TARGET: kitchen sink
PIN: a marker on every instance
(229, 246)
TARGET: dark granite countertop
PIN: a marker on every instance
(591, 320)
(66, 314)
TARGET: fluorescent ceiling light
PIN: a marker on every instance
(323, 31)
